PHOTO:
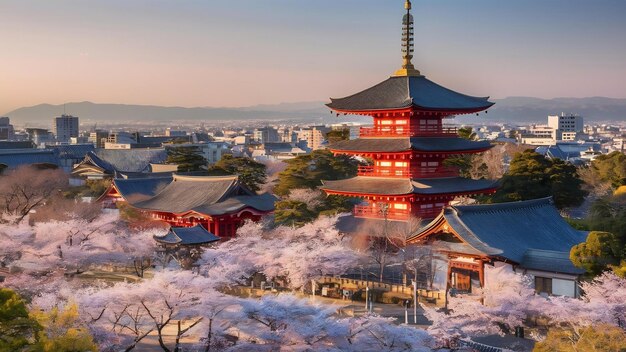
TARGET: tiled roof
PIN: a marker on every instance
(426, 144)
(553, 261)
(187, 236)
(17, 157)
(16, 145)
(370, 185)
(210, 195)
(510, 230)
(411, 91)
(141, 186)
(451, 185)
(400, 186)
(71, 151)
(131, 160)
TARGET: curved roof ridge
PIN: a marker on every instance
(451, 90)
(499, 207)
(178, 177)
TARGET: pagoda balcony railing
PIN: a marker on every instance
(422, 172)
(431, 172)
(369, 170)
(366, 211)
(409, 131)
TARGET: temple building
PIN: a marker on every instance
(220, 204)
(106, 163)
(408, 144)
(133, 189)
(530, 237)
(187, 237)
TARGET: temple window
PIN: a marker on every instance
(543, 285)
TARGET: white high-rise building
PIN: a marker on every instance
(65, 127)
(566, 126)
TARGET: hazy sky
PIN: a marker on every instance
(247, 52)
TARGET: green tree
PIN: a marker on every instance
(188, 158)
(611, 168)
(18, 331)
(293, 213)
(600, 251)
(532, 176)
(335, 204)
(63, 331)
(598, 338)
(251, 173)
(308, 171)
(467, 133)
(566, 187)
(338, 135)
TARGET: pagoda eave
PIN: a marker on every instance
(408, 111)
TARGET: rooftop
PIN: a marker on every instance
(425, 144)
(403, 186)
(210, 195)
(529, 233)
(403, 92)
(187, 236)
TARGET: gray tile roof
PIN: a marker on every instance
(426, 144)
(210, 195)
(71, 151)
(141, 186)
(401, 186)
(553, 261)
(17, 157)
(16, 145)
(131, 160)
(509, 230)
(370, 185)
(187, 236)
(451, 185)
(404, 92)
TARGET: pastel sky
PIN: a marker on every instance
(247, 52)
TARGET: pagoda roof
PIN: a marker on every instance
(401, 92)
(530, 233)
(209, 195)
(187, 236)
(394, 145)
(403, 186)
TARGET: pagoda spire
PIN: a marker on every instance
(407, 44)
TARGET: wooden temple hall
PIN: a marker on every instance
(528, 237)
(220, 204)
(408, 144)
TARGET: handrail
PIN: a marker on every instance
(409, 131)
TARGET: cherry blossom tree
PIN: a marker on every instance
(298, 254)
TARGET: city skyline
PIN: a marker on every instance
(194, 54)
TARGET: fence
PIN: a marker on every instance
(433, 296)
(479, 346)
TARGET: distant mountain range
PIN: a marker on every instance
(520, 110)
(526, 109)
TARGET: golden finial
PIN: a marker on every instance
(407, 44)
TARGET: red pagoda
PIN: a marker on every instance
(408, 144)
